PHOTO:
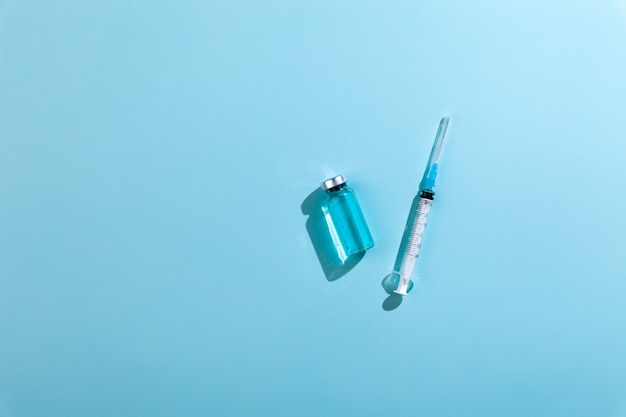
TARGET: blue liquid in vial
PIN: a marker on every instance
(346, 223)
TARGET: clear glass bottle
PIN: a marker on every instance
(344, 218)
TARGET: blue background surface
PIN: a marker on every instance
(154, 156)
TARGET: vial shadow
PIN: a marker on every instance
(390, 281)
(317, 227)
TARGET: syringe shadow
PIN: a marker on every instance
(390, 282)
(319, 234)
(392, 302)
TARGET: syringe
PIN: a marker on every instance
(426, 196)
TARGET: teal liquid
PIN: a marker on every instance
(346, 223)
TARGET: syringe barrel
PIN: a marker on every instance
(415, 241)
(419, 224)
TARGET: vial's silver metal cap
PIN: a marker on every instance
(333, 182)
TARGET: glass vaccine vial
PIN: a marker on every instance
(344, 218)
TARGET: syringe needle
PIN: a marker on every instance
(430, 175)
(435, 153)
